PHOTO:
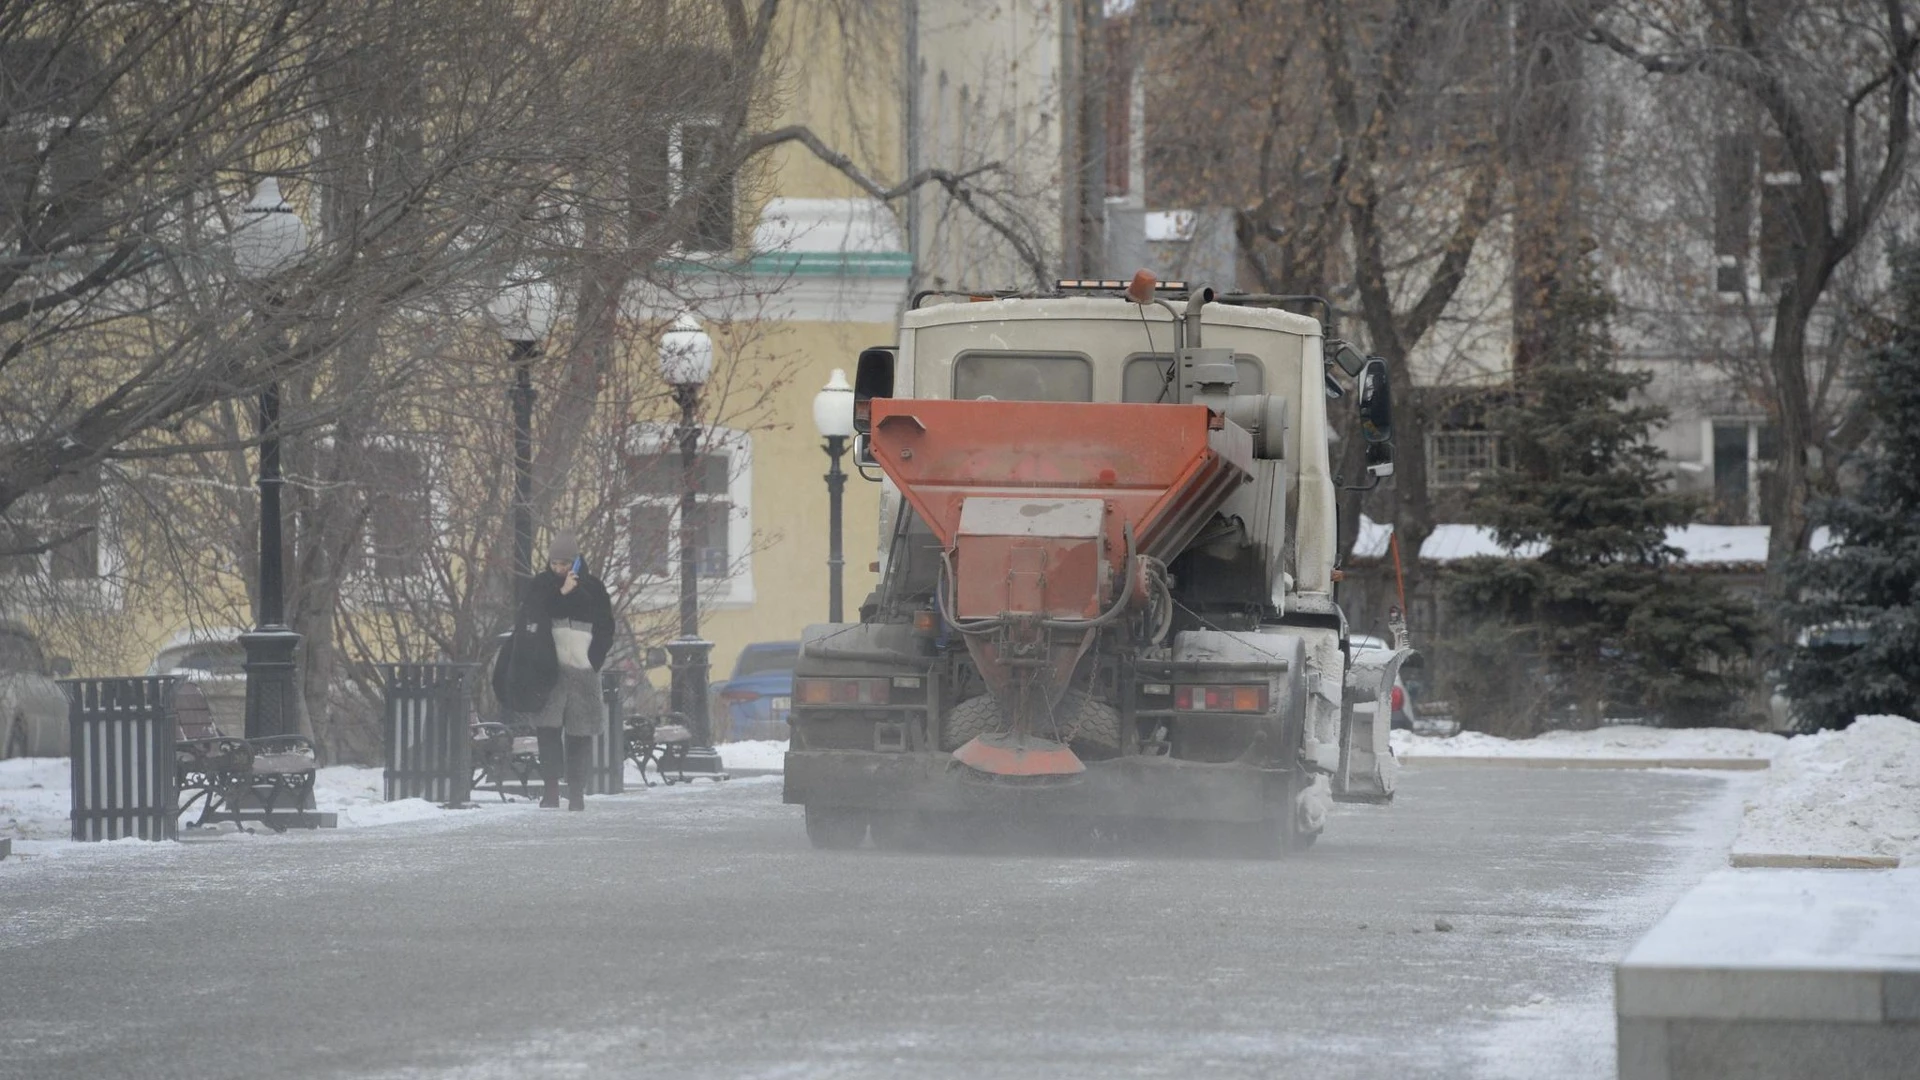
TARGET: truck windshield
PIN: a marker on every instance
(1022, 377)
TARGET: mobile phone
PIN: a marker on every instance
(579, 566)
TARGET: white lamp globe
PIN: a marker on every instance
(524, 307)
(833, 407)
(686, 353)
(269, 237)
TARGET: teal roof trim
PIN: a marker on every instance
(872, 264)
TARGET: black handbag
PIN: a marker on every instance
(525, 668)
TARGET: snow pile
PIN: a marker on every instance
(35, 799)
(1851, 792)
(1619, 741)
(357, 793)
(767, 755)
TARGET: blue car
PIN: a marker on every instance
(754, 703)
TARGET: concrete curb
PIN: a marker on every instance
(1725, 764)
(1751, 860)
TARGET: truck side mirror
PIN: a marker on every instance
(1346, 356)
(872, 378)
(1376, 416)
(1376, 401)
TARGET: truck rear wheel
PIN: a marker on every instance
(835, 828)
(1284, 832)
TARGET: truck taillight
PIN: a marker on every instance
(1399, 699)
(840, 691)
(1201, 698)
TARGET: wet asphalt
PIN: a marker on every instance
(693, 933)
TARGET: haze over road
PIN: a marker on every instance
(693, 933)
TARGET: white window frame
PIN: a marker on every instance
(362, 586)
(677, 185)
(654, 591)
(101, 590)
(1757, 470)
(1490, 440)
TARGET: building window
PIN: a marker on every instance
(722, 523)
(1733, 165)
(687, 159)
(68, 509)
(400, 527)
(51, 171)
(1461, 458)
(1744, 452)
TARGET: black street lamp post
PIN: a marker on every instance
(269, 240)
(686, 363)
(523, 309)
(833, 416)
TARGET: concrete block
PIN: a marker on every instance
(1643, 1049)
(1747, 994)
(1723, 1050)
(1901, 997)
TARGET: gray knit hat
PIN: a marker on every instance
(565, 547)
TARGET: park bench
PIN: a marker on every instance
(268, 780)
(504, 755)
(661, 742)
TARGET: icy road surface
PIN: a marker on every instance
(692, 933)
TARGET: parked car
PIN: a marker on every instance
(1405, 716)
(754, 702)
(213, 660)
(1830, 643)
(33, 711)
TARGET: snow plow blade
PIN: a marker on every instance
(1016, 758)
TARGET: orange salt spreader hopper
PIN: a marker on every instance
(1056, 521)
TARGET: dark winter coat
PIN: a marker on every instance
(526, 669)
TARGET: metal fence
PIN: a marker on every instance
(121, 735)
(429, 747)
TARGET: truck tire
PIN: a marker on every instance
(1282, 833)
(835, 828)
(1086, 721)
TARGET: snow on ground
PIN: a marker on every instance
(36, 798)
(758, 754)
(1851, 792)
(1835, 793)
(1790, 919)
(1618, 741)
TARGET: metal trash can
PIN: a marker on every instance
(122, 737)
(429, 747)
(608, 775)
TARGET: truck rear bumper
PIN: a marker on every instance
(1131, 787)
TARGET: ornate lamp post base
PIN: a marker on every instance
(688, 660)
(273, 686)
(273, 707)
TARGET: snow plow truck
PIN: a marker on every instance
(1107, 564)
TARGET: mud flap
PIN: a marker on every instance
(1367, 768)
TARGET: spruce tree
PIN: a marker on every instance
(1858, 612)
(1597, 618)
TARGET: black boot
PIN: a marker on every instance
(551, 753)
(579, 758)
